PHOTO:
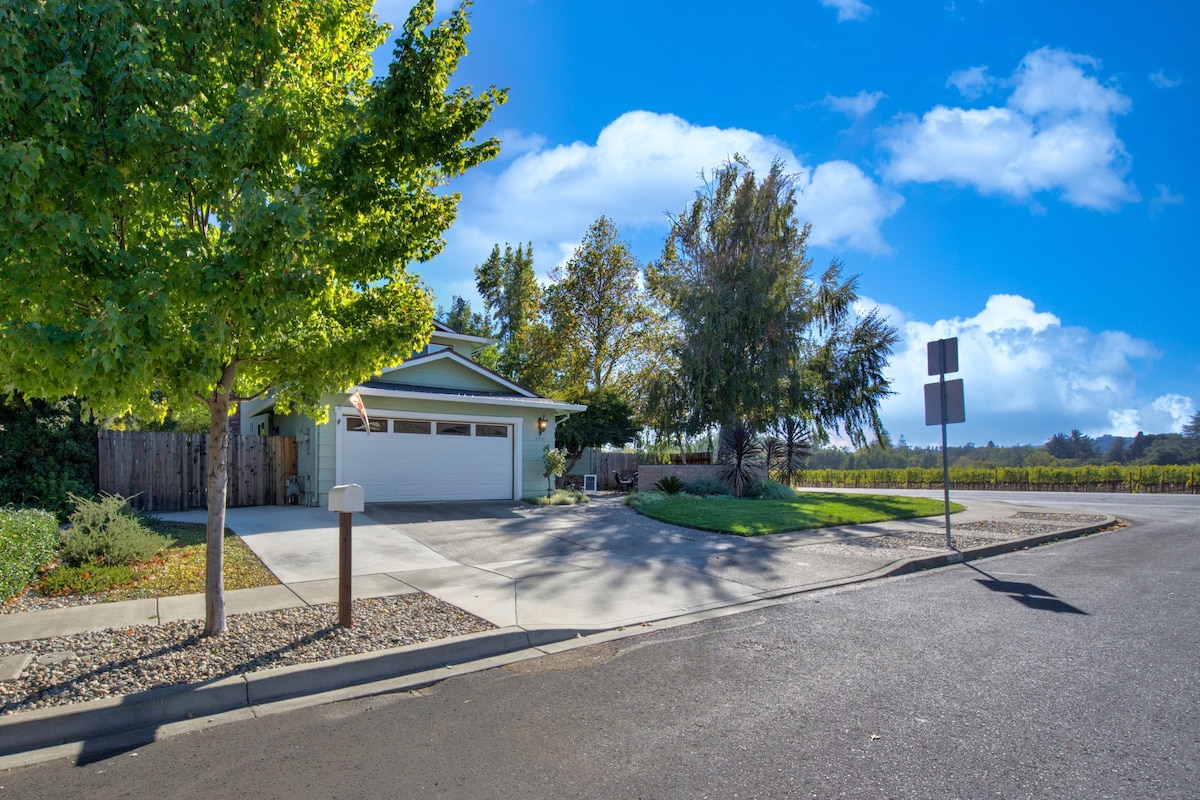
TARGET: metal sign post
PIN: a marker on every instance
(944, 404)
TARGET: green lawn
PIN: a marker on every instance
(810, 510)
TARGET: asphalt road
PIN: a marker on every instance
(1067, 671)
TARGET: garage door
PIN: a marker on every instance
(416, 459)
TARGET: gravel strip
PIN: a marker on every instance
(907, 544)
(82, 667)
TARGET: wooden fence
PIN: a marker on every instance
(169, 471)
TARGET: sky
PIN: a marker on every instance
(1021, 175)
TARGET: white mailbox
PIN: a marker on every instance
(346, 498)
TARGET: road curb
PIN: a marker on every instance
(50, 729)
(971, 554)
(79, 722)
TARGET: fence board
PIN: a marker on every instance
(169, 471)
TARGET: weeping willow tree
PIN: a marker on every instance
(758, 337)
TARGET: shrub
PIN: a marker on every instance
(47, 452)
(671, 484)
(108, 532)
(28, 537)
(743, 454)
(771, 490)
(707, 487)
(85, 579)
(560, 497)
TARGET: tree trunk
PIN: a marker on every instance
(218, 486)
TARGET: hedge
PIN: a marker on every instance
(1109, 478)
(28, 538)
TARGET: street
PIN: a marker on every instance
(1066, 671)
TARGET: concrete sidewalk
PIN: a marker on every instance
(545, 576)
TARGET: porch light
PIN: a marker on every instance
(541, 425)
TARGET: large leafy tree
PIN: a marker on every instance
(598, 310)
(758, 338)
(607, 421)
(213, 199)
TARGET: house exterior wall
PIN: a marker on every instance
(444, 374)
(323, 459)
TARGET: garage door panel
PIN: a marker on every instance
(399, 466)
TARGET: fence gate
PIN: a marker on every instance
(169, 471)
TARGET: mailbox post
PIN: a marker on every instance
(345, 500)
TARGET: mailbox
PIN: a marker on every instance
(346, 498)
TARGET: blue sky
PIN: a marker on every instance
(1022, 175)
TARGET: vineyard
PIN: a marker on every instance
(1149, 479)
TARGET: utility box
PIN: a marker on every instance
(346, 498)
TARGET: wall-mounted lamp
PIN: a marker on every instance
(541, 425)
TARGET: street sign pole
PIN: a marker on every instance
(945, 457)
(943, 406)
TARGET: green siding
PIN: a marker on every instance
(532, 479)
(444, 374)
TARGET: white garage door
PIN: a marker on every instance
(416, 459)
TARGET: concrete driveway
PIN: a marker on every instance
(589, 567)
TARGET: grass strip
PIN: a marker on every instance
(761, 517)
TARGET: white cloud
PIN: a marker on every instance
(1056, 133)
(845, 207)
(1165, 414)
(971, 83)
(856, 105)
(1025, 375)
(1163, 81)
(1165, 198)
(642, 167)
(1180, 409)
(849, 10)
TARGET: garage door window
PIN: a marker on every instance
(356, 424)
(454, 428)
(497, 431)
(409, 426)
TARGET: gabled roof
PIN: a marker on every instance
(416, 362)
(443, 331)
(507, 392)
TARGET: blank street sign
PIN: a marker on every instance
(955, 407)
(942, 356)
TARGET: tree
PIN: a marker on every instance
(788, 449)
(1191, 438)
(597, 310)
(607, 421)
(512, 297)
(218, 202)
(462, 319)
(1116, 452)
(1078, 446)
(757, 339)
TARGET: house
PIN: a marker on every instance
(441, 427)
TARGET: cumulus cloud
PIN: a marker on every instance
(1026, 376)
(1165, 414)
(642, 167)
(856, 105)
(1056, 132)
(849, 10)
